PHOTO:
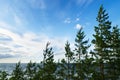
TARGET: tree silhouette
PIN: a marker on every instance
(49, 66)
(81, 47)
(69, 61)
(17, 73)
(102, 40)
(3, 75)
(31, 70)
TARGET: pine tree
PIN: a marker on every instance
(3, 75)
(66, 66)
(81, 51)
(102, 40)
(117, 53)
(31, 70)
(62, 70)
(39, 72)
(69, 60)
(88, 66)
(49, 66)
(17, 73)
(114, 60)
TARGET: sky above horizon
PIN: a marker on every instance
(27, 25)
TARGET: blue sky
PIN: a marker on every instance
(27, 25)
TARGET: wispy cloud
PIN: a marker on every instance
(4, 25)
(84, 3)
(67, 20)
(28, 44)
(2, 56)
(11, 17)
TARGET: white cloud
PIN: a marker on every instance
(67, 20)
(4, 25)
(77, 19)
(78, 26)
(29, 45)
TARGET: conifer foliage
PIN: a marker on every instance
(17, 73)
(31, 70)
(3, 75)
(81, 47)
(102, 40)
(49, 66)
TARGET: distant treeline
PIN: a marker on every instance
(101, 63)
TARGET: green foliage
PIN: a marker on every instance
(3, 75)
(81, 45)
(65, 68)
(68, 52)
(49, 66)
(107, 47)
(102, 40)
(114, 55)
(61, 70)
(81, 53)
(31, 70)
(69, 58)
(17, 73)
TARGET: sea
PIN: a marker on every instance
(9, 67)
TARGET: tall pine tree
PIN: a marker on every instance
(102, 41)
(49, 66)
(81, 47)
(69, 58)
(66, 66)
(114, 56)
